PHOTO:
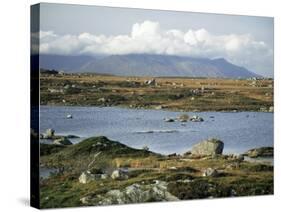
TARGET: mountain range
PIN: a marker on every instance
(146, 65)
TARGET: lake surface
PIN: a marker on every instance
(46, 172)
(137, 128)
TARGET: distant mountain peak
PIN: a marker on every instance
(221, 59)
(147, 65)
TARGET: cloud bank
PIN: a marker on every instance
(148, 37)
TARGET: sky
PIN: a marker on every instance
(91, 30)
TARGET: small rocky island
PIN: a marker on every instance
(99, 171)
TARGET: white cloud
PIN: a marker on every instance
(148, 37)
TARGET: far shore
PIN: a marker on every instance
(173, 94)
(153, 108)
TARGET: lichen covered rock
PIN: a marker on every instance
(119, 174)
(87, 177)
(210, 172)
(209, 147)
(134, 193)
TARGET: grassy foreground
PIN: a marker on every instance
(183, 94)
(182, 173)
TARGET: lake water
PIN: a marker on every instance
(137, 128)
(46, 172)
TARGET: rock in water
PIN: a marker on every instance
(62, 141)
(209, 147)
(119, 174)
(183, 118)
(169, 120)
(196, 119)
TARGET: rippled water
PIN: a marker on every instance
(137, 128)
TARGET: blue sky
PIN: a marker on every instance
(74, 29)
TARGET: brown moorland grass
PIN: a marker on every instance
(183, 94)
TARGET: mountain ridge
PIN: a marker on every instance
(152, 65)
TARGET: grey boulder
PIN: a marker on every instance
(209, 172)
(196, 119)
(119, 174)
(134, 193)
(208, 147)
(87, 177)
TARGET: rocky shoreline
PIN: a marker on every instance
(98, 171)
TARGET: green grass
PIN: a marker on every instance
(77, 157)
(47, 149)
(64, 190)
